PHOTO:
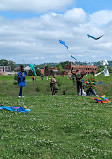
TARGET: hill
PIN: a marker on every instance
(57, 127)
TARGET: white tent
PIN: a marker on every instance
(27, 68)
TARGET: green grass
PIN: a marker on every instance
(57, 127)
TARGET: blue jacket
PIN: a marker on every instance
(21, 79)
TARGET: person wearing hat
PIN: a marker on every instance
(21, 80)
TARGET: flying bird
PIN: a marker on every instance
(89, 36)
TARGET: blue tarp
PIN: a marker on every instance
(16, 109)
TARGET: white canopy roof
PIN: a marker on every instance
(27, 68)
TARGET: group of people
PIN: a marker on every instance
(80, 88)
(54, 86)
(22, 83)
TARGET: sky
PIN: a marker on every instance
(30, 30)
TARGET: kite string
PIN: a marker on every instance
(101, 90)
(63, 42)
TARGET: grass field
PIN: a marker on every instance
(57, 127)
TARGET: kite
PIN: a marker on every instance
(102, 99)
(89, 36)
(73, 57)
(62, 42)
(15, 109)
(100, 82)
(88, 82)
(91, 83)
(33, 69)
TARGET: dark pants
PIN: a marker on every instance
(20, 92)
(79, 86)
(53, 88)
(42, 77)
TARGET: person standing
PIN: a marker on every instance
(53, 85)
(79, 75)
(33, 78)
(21, 80)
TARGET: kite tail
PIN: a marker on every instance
(73, 57)
(66, 46)
(33, 69)
(101, 90)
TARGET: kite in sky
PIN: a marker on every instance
(33, 69)
(62, 42)
(73, 57)
(89, 36)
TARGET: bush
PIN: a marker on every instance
(16, 79)
(38, 89)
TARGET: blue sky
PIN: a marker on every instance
(89, 6)
(30, 30)
(92, 6)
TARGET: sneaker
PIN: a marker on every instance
(19, 96)
(22, 96)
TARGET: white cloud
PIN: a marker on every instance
(36, 39)
(80, 55)
(36, 58)
(76, 15)
(102, 17)
(107, 46)
(38, 6)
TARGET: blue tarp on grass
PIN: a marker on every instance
(16, 109)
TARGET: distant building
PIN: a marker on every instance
(54, 69)
(49, 69)
(6, 70)
(41, 70)
(86, 68)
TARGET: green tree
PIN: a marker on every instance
(60, 69)
(100, 68)
(12, 64)
(63, 64)
(46, 71)
(51, 72)
(4, 62)
(38, 72)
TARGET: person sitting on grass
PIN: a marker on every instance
(90, 91)
(90, 87)
(53, 85)
(21, 80)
